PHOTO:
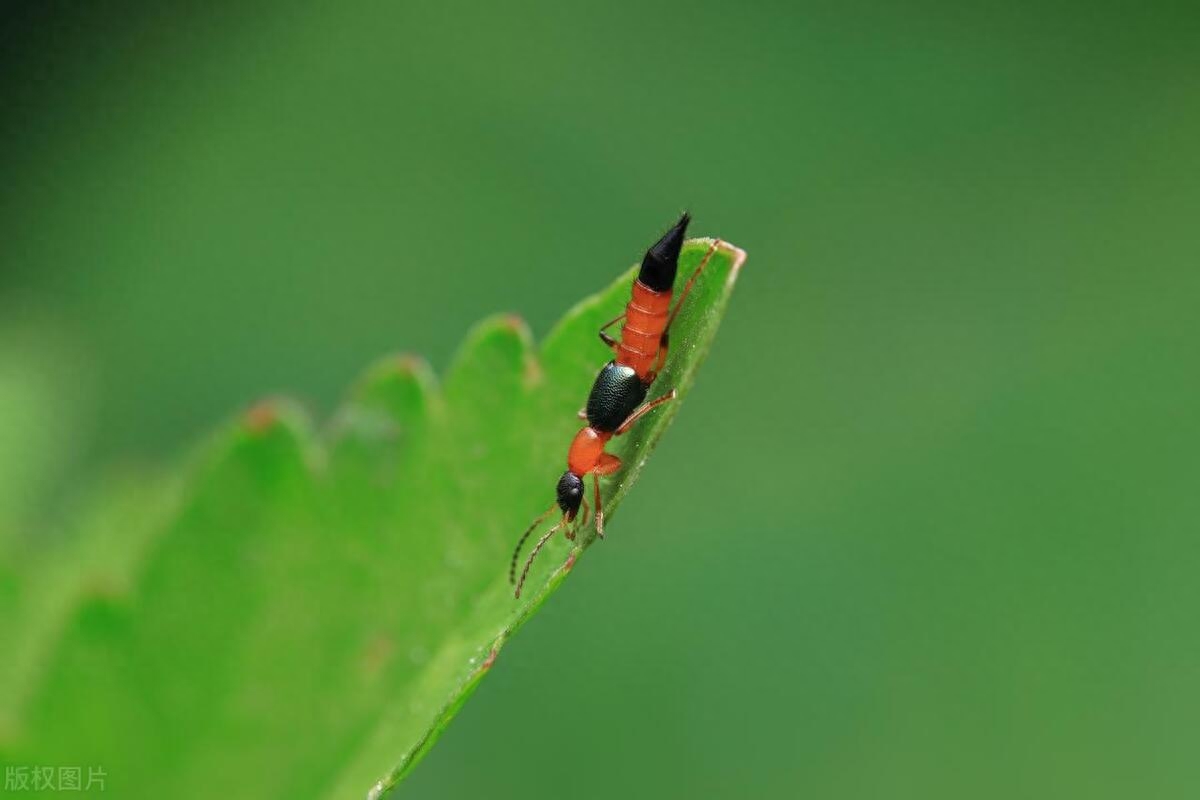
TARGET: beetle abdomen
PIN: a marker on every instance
(616, 393)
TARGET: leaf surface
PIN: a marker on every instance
(313, 608)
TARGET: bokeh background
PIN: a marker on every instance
(927, 526)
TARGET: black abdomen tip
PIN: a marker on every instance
(662, 260)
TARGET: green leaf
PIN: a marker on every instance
(41, 379)
(312, 609)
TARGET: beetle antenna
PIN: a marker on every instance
(533, 553)
(512, 568)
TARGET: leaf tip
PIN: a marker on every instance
(261, 416)
(401, 384)
(516, 323)
(277, 425)
(271, 412)
(397, 366)
(737, 257)
(274, 417)
(497, 345)
(409, 364)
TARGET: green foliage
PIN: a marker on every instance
(303, 613)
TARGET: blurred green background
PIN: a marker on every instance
(927, 527)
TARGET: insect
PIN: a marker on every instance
(617, 398)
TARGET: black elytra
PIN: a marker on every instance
(662, 259)
(614, 396)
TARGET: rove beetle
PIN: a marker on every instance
(616, 400)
